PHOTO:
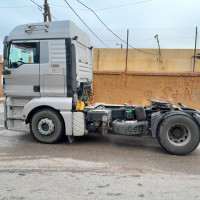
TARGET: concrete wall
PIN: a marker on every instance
(136, 88)
(174, 60)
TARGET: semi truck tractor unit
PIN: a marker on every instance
(47, 83)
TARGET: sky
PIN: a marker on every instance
(173, 20)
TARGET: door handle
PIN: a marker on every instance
(6, 72)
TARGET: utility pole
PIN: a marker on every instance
(126, 69)
(47, 12)
(195, 48)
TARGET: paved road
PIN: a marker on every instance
(94, 167)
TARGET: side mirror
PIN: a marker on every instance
(5, 51)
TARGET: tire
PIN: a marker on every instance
(46, 126)
(178, 133)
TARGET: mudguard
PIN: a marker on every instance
(158, 116)
(155, 119)
(196, 116)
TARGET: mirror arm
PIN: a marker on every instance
(6, 72)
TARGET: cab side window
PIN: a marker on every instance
(23, 53)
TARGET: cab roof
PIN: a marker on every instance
(49, 30)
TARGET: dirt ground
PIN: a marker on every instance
(94, 167)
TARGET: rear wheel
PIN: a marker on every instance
(178, 134)
(47, 126)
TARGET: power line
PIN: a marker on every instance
(113, 32)
(39, 7)
(85, 24)
(123, 5)
(68, 7)
(100, 9)
(17, 7)
(54, 17)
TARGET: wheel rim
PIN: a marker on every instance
(179, 134)
(46, 126)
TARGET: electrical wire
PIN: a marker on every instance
(86, 24)
(39, 7)
(100, 9)
(123, 5)
(17, 7)
(112, 31)
(68, 7)
(54, 17)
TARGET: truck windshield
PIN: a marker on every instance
(22, 53)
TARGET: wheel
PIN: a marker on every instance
(178, 133)
(47, 126)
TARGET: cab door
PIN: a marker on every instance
(22, 71)
(53, 68)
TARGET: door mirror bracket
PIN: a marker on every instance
(6, 72)
(5, 63)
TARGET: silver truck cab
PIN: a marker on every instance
(46, 68)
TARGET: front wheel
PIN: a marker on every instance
(178, 134)
(47, 126)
